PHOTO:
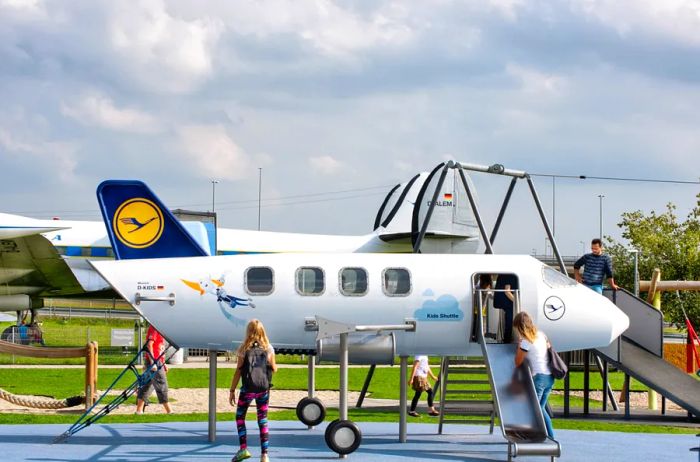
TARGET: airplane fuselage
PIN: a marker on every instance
(215, 297)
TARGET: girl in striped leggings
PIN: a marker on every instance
(255, 337)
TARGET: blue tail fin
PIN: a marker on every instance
(139, 225)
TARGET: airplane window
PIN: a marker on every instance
(259, 280)
(353, 281)
(397, 282)
(310, 281)
(554, 278)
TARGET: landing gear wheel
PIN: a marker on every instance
(311, 411)
(343, 436)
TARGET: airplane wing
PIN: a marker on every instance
(31, 265)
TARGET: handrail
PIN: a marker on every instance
(646, 322)
(138, 298)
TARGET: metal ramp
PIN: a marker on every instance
(516, 403)
(658, 374)
(639, 354)
(515, 399)
(465, 393)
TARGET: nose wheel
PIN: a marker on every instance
(343, 436)
(311, 411)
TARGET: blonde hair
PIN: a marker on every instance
(523, 324)
(255, 333)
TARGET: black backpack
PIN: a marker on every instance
(256, 373)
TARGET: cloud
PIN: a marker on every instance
(28, 9)
(326, 165)
(99, 110)
(58, 157)
(212, 153)
(678, 20)
(164, 52)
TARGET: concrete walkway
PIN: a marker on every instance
(290, 441)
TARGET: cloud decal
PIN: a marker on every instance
(445, 308)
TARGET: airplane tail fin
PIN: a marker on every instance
(139, 225)
(452, 227)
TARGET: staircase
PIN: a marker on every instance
(465, 392)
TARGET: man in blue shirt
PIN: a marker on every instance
(596, 267)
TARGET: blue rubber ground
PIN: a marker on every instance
(290, 441)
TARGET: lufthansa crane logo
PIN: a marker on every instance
(554, 308)
(138, 223)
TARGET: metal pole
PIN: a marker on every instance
(600, 217)
(636, 272)
(212, 396)
(365, 386)
(562, 267)
(586, 380)
(213, 194)
(311, 382)
(567, 385)
(627, 396)
(475, 210)
(343, 401)
(554, 221)
(343, 411)
(431, 207)
(506, 200)
(403, 402)
(311, 379)
(259, 193)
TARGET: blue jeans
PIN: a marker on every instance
(596, 287)
(543, 386)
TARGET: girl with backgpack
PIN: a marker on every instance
(256, 363)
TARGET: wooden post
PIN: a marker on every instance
(89, 364)
(95, 362)
(655, 278)
(657, 304)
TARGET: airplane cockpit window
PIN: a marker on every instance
(353, 281)
(310, 281)
(397, 282)
(554, 278)
(259, 280)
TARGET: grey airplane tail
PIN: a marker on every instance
(517, 406)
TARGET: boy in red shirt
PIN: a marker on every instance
(155, 344)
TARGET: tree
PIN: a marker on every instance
(666, 243)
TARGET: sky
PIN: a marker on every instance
(325, 105)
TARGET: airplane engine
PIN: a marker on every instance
(19, 302)
(362, 349)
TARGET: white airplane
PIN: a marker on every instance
(417, 304)
(43, 258)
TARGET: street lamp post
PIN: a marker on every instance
(259, 193)
(635, 252)
(600, 218)
(583, 247)
(213, 194)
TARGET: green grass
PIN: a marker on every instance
(61, 383)
(358, 415)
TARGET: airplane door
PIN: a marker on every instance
(498, 296)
